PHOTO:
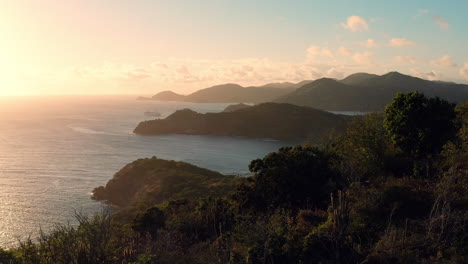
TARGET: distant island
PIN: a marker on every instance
(357, 92)
(268, 120)
(235, 107)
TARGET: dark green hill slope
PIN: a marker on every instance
(155, 180)
(268, 120)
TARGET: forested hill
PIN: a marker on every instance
(154, 181)
(268, 120)
(369, 92)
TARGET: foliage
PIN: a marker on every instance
(293, 177)
(365, 150)
(419, 125)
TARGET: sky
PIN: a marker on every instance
(52, 47)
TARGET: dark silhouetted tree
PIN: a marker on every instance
(291, 177)
(420, 126)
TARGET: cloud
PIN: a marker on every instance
(345, 51)
(336, 73)
(441, 22)
(420, 13)
(464, 71)
(445, 62)
(355, 24)
(327, 52)
(431, 75)
(363, 58)
(315, 52)
(401, 42)
(370, 43)
(406, 59)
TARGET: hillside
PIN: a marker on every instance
(369, 92)
(268, 120)
(232, 93)
(155, 180)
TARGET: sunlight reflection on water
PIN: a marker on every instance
(54, 151)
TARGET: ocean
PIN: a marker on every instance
(55, 150)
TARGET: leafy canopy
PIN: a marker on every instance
(420, 126)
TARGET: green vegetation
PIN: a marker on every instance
(268, 120)
(352, 199)
(146, 182)
(420, 126)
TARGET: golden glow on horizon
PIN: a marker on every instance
(100, 47)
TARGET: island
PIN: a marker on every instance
(267, 120)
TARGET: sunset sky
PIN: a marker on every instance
(145, 46)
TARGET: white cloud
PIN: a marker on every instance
(445, 62)
(363, 58)
(327, 52)
(316, 52)
(441, 22)
(401, 42)
(370, 43)
(464, 71)
(355, 24)
(345, 51)
(406, 59)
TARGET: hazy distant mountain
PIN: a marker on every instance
(278, 85)
(268, 120)
(233, 93)
(168, 96)
(368, 92)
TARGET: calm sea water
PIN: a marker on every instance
(55, 150)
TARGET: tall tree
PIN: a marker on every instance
(420, 126)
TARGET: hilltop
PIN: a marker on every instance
(154, 181)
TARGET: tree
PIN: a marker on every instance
(294, 177)
(364, 150)
(420, 126)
